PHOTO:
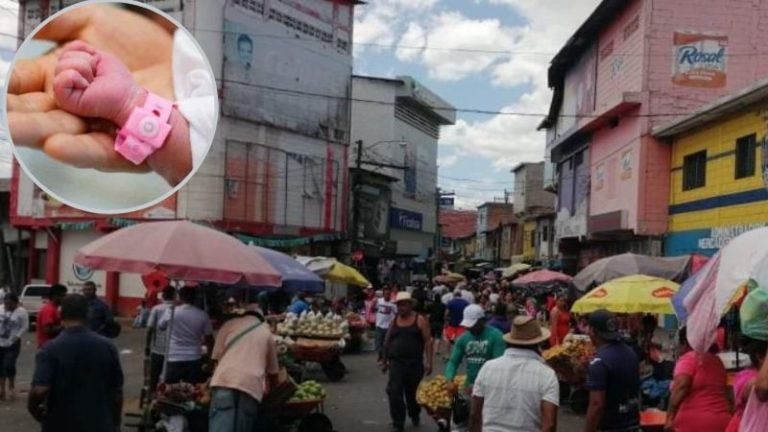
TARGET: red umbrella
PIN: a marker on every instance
(541, 276)
(154, 282)
(181, 250)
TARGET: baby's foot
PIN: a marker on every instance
(90, 83)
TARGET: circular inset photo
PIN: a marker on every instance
(112, 106)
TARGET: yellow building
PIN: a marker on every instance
(717, 189)
(529, 240)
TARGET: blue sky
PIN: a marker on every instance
(480, 148)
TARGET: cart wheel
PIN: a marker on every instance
(316, 422)
(334, 370)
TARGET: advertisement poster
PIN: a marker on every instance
(579, 95)
(626, 165)
(374, 210)
(290, 68)
(700, 60)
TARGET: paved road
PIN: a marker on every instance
(358, 403)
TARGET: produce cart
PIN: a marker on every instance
(434, 395)
(318, 339)
(298, 407)
(570, 362)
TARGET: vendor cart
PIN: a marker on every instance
(570, 362)
(327, 353)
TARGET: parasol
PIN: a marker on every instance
(514, 269)
(182, 250)
(609, 268)
(542, 276)
(630, 294)
(342, 273)
(296, 277)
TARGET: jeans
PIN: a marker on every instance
(233, 411)
(155, 370)
(401, 390)
(381, 334)
(8, 357)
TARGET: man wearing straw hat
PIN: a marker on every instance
(408, 355)
(517, 392)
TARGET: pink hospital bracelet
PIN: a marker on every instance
(146, 129)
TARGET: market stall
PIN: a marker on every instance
(318, 339)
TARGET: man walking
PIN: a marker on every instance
(48, 324)
(190, 329)
(454, 313)
(247, 366)
(385, 312)
(408, 355)
(157, 338)
(14, 322)
(78, 382)
(480, 344)
(517, 392)
(613, 379)
(99, 315)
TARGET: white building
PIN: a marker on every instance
(277, 171)
(398, 122)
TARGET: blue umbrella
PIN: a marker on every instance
(682, 293)
(296, 277)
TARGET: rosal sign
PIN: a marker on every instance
(700, 60)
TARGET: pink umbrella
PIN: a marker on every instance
(180, 249)
(541, 276)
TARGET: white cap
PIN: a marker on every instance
(472, 314)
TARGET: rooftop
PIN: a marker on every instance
(457, 223)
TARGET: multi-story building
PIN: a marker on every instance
(277, 171)
(718, 188)
(631, 66)
(534, 206)
(491, 219)
(456, 227)
(395, 129)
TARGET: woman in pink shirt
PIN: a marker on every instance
(699, 400)
(744, 381)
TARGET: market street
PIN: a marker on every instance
(357, 403)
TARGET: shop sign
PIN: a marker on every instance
(721, 236)
(405, 219)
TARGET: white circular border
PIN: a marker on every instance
(148, 204)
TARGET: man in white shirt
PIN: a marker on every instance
(385, 312)
(190, 329)
(14, 322)
(517, 392)
(157, 339)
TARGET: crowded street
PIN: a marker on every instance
(383, 216)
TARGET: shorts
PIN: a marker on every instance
(437, 332)
(8, 357)
(452, 333)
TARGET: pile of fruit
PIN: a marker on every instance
(314, 325)
(308, 391)
(571, 359)
(184, 393)
(436, 393)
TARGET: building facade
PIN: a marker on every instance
(277, 172)
(631, 66)
(718, 189)
(395, 129)
(535, 207)
(492, 217)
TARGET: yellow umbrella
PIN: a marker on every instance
(454, 277)
(514, 269)
(342, 273)
(630, 294)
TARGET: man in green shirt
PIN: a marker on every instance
(478, 345)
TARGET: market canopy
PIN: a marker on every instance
(514, 269)
(630, 294)
(181, 250)
(609, 268)
(542, 276)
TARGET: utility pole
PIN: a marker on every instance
(439, 194)
(355, 192)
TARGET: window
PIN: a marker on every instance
(544, 233)
(533, 238)
(695, 170)
(745, 156)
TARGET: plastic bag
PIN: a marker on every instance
(754, 314)
(460, 408)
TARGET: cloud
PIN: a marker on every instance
(380, 22)
(445, 33)
(447, 161)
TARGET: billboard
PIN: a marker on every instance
(289, 66)
(373, 207)
(700, 60)
(579, 93)
(405, 219)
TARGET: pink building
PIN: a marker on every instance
(632, 65)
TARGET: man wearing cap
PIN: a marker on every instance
(613, 379)
(478, 345)
(408, 355)
(517, 392)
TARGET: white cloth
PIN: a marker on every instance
(190, 325)
(160, 341)
(667, 340)
(196, 94)
(13, 325)
(513, 387)
(385, 312)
